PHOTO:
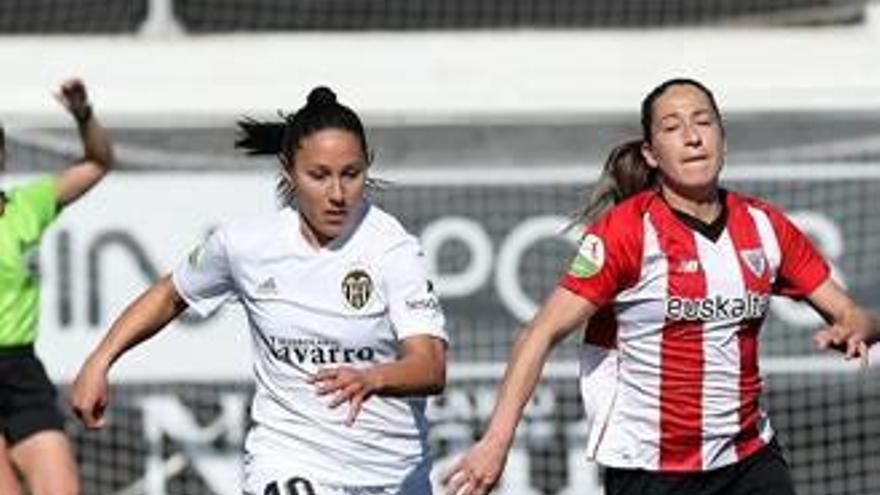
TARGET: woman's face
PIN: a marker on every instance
(687, 141)
(328, 176)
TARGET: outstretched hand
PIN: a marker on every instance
(853, 344)
(350, 385)
(477, 472)
(72, 96)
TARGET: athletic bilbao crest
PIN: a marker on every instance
(755, 260)
(357, 287)
(590, 257)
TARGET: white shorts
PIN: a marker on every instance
(268, 480)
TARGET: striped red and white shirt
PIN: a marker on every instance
(669, 364)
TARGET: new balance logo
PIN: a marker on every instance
(686, 266)
(267, 287)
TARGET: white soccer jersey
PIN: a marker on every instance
(669, 365)
(348, 303)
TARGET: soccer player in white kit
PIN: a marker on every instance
(673, 283)
(340, 310)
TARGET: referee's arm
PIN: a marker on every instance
(97, 158)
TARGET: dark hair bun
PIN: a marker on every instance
(322, 95)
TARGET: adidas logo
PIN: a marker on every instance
(267, 286)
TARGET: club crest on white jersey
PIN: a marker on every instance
(357, 288)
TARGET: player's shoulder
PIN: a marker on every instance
(254, 231)
(736, 199)
(750, 200)
(628, 214)
(383, 230)
(637, 204)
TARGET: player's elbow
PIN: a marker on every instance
(425, 359)
(438, 380)
(104, 160)
(434, 376)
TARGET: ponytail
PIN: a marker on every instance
(260, 138)
(624, 174)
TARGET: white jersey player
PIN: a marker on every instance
(347, 333)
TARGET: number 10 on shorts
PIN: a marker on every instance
(294, 486)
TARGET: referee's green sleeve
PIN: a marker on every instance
(38, 203)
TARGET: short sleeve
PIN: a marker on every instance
(801, 267)
(413, 305)
(607, 261)
(34, 206)
(204, 278)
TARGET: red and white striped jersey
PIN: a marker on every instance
(669, 364)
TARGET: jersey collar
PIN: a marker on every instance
(301, 246)
(711, 230)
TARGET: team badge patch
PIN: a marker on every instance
(755, 260)
(590, 257)
(195, 256)
(357, 288)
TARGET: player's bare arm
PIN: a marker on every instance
(480, 468)
(142, 319)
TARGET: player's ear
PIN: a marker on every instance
(648, 155)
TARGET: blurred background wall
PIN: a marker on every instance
(490, 118)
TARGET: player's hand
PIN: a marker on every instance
(90, 394)
(350, 385)
(72, 96)
(853, 344)
(477, 472)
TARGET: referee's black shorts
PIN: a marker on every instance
(28, 400)
(762, 473)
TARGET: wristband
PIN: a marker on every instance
(82, 114)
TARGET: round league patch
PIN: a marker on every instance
(590, 257)
(195, 256)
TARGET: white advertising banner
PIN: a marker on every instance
(104, 251)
